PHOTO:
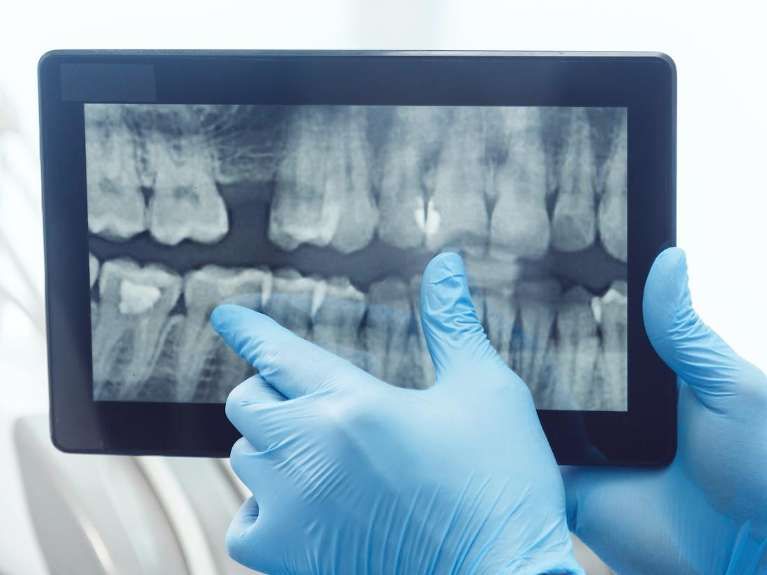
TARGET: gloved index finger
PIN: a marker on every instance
(290, 364)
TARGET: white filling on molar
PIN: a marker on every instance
(596, 308)
(93, 269)
(458, 198)
(612, 368)
(412, 144)
(129, 331)
(136, 298)
(428, 220)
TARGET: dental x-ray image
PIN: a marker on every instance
(323, 217)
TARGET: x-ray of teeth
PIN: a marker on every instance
(323, 217)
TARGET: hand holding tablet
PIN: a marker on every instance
(352, 475)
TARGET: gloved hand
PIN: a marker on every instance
(352, 475)
(706, 512)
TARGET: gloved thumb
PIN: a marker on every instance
(694, 351)
(453, 332)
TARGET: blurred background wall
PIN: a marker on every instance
(722, 194)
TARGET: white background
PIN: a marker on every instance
(719, 51)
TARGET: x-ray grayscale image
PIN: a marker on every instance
(324, 217)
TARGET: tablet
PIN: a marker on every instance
(315, 187)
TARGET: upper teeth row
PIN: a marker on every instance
(476, 178)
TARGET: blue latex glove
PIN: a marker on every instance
(353, 475)
(706, 512)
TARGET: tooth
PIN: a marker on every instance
(419, 373)
(612, 362)
(93, 274)
(348, 183)
(386, 329)
(520, 223)
(185, 203)
(499, 320)
(162, 383)
(115, 201)
(93, 269)
(134, 306)
(612, 208)
(323, 194)
(408, 156)
(531, 336)
(456, 214)
(338, 318)
(244, 139)
(293, 301)
(208, 369)
(574, 358)
(573, 225)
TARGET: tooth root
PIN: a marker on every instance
(323, 195)
(338, 318)
(133, 309)
(613, 206)
(386, 329)
(499, 320)
(349, 183)
(520, 222)
(572, 381)
(574, 223)
(208, 369)
(411, 149)
(531, 336)
(93, 269)
(115, 202)
(420, 368)
(612, 363)
(292, 301)
(185, 203)
(456, 214)
(162, 383)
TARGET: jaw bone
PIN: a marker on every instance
(531, 336)
(115, 202)
(409, 156)
(133, 311)
(207, 368)
(386, 329)
(245, 140)
(323, 195)
(338, 318)
(613, 207)
(612, 380)
(574, 223)
(520, 222)
(456, 214)
(572, 379)
(178, 164)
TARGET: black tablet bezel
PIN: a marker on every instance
(643, 83)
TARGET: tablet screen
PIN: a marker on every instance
(323, 217)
